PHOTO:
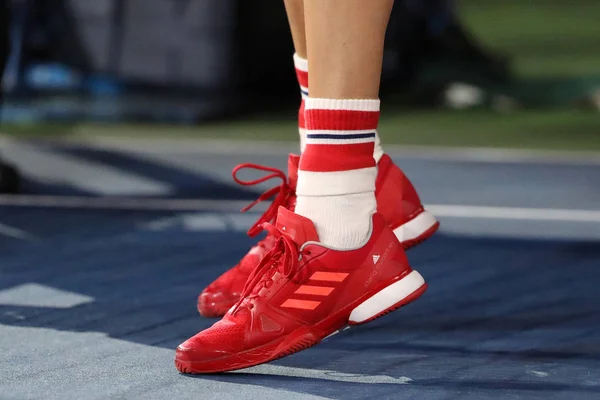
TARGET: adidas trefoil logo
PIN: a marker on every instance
(375, 258)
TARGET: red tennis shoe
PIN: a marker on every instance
(300, 293)
(397, 201)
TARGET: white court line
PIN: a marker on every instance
(281, 370)
(37, 295)
(125, 203)
(514, 213)
(15, 233)
(90, 176)
(157, 204)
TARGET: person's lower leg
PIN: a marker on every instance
(295, 14)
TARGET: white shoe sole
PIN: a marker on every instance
(388, 299)
(416, 227)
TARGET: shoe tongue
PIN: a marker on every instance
(299, 228)
(293, 163)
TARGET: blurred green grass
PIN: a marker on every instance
(546, 38)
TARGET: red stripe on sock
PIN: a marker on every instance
(336, 157)
(301, 119)
(342, 120)
(302, 77)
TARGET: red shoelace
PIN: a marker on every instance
(284, 256)
(283, 193)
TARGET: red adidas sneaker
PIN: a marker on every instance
(302, 292)
(397, 201)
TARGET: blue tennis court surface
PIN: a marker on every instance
(94, 299)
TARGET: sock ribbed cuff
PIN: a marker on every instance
(301, 66)
(344, 104)
(340, 134)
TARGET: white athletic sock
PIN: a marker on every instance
(336, 177)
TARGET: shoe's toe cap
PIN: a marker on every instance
(197, 351)
(194, 359)
(211, 350)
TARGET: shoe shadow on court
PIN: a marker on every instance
(500, 314)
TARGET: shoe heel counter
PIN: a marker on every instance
(393, 254)
(399, 264)
(397, 198)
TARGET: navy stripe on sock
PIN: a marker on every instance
(340, 137)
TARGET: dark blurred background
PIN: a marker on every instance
(496, 73)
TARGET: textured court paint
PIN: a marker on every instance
(36, 295)
(476, 345)
(86, 365)
(505, 297)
